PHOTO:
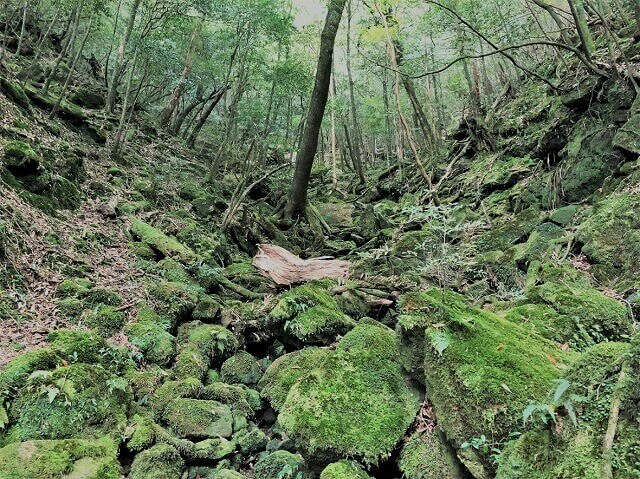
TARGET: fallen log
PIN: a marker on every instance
(285, 268)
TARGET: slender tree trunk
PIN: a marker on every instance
(215, 98)
(187, 110)
(119, 66)
(23, 28)
(74, 18)
(117, 143)
(298, 198)
(334, 155)
(636, 7)
(72, 67)
(167, 114)
(580, 17)
(388, 139)
(357, 140)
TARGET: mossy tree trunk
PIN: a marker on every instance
(580, 17)
(309, 145)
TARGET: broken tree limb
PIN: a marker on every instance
(285, 268)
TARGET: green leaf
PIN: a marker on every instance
(4, 418)
(528, 411)
(572, 414)
(563, 385)
(52, 394)
(440, 340)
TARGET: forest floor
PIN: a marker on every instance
(139, 340)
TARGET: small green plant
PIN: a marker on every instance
(289, 472)
(485, 446)
(561, 400)
(440, 340)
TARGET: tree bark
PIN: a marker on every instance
(178, 91)
(579, 15)
(636, 7)
(357, 132)
(309, 145)
(215, 98)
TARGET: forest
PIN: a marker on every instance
(319, 239)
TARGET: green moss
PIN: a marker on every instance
(162, 461)
(72, 458)
(71, 400)
(425, 456)
(191, 362)
(207, 309)
(160, 242)
(97, 296)
(147, 315)
(278, 464)
(240, 398)
(587, 316)
(73, 287)
(241, 368)
(105, 320)
(213, 341)
(78, 346)
(611, 237)
(483, 367)
(214, 449)
(346, 470)
(309, 314)
(564, 216)
(197, 418)
(70, 308)
(502, 236)
(542, 319)
(227, 474)
(252, 441)
(143, 433)
(175, 300)
(171, 390)
(17, 372)
(156, 344)
(349, 402)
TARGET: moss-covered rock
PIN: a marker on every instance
(481, 371)
(175, 300)
(74, 287)
(17, 372)
(155, 343)
(240, 398)
(346, 470)
(214, 449)
(348, 402)
(78, 346)
(73, 458)
(309, 314)
(162, 461)
(627, 137)
(197, 418)
(251, 441)
(241, 368)
(426, 456)
(279, 464)
(567, 451)
(611, 237)
(585, 315)
(105, 320)
(71, 400)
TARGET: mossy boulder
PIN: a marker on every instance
(480, 370)
(105, 320)
(17, 372)
(568, 451)
(251, 441)
(628, 137)
(176, 300)
(162, 461)
(78, 346)
(67, 459)
(74, 287)
(611, 237)
(345, 470)
(240, 398)
(69, 401)
(88, 97)
(349, 402)
(426, 456)
(509, 231)
(241, 368)
(585, 315)
(154, 342)
(279, 464)
(199, 419)
(214, 449)
(308, 314)
(26, 166)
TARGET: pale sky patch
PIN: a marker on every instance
(309, 11)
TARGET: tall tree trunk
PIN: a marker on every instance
(72, 67)
(198, 99)
(636, 7)
(357, 142)
(334, 144)
(176, 96)
(299, 187)
(119, 66)
(23, 28)
(117, 143)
